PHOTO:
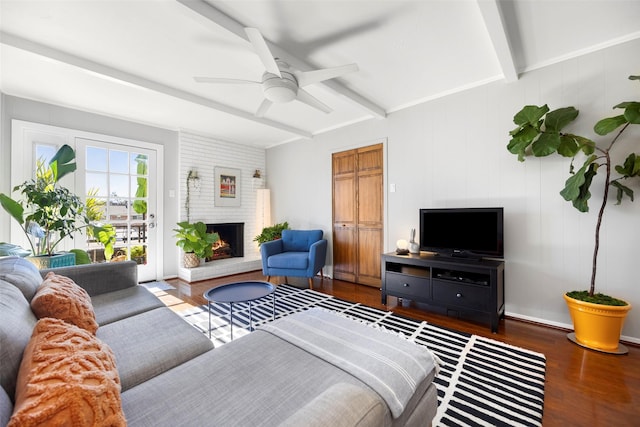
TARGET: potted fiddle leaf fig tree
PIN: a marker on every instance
(48, 212)
(597, 318)
(195, 242)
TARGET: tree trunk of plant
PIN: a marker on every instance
(599, 223)
(607, 183)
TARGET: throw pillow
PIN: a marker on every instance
(16, 325)
(61, 298)
(67, 377)
(21, 273)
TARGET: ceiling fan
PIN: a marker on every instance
(280, 83)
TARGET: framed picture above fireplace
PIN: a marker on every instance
(226, 186)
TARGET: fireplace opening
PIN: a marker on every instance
(231, 243)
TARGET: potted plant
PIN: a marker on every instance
(273, 232)
(195, 242)
(49, 212)
(597, 318)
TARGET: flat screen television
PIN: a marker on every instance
(463, 232)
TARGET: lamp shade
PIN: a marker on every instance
(263, 209)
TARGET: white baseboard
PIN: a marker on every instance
(566, 326)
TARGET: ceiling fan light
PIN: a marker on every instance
(279, 94)
(278, 89)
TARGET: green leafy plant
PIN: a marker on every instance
(194, 238)
(273, 232)
(106, 234)
(140, 204)
(540, 133)
(82, 257)
(48, 212)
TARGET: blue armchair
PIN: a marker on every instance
(299, 253)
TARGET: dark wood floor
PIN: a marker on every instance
(583, 387)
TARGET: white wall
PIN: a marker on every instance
(452, 152)
(203, 154)
(23, 109)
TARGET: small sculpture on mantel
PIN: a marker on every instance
(414, 247)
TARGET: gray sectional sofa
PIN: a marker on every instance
(171, 375)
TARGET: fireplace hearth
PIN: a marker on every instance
(231, 243)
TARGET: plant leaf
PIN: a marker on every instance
(546, 144)
(558, 119)
(609, 124)
(576, 189)
(12, 207)
(82, 257)
(62, 163)
(530, 114)
(621, 191)
(632, 113)
(568, 146)
(521, 140)
(631, 166)
(201, 227)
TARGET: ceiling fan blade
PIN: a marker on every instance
(308, 77)
(223, 80)
(262, 109)
(261, 48)
(307, 98)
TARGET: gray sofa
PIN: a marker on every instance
(171, 375)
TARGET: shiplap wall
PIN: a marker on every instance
(451, 152)
(203, 154)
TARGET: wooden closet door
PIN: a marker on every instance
(358, 214)
(344, 216)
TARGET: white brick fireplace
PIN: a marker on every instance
(202, 154)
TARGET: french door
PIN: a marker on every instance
(117, 182)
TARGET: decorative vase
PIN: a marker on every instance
(414, 247)
(597, 326)
(191, 260)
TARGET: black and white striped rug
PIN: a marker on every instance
(483, 382)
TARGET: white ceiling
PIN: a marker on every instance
(135, 59)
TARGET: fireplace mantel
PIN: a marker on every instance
(220, 268)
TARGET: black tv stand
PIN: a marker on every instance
(452, 285)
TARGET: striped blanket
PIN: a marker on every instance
(390, 365)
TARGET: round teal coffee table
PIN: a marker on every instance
(236, 292)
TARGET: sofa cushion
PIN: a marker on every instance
(22, 274)
(117, 305)
(299, 240)
(150, 343)
(295, 260)
(6, 407)
(16, 324)
(341, 405)
(259, 372)
(67, 377)
(100, 278)
(59, 297)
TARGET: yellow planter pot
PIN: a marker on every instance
(597, 326)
